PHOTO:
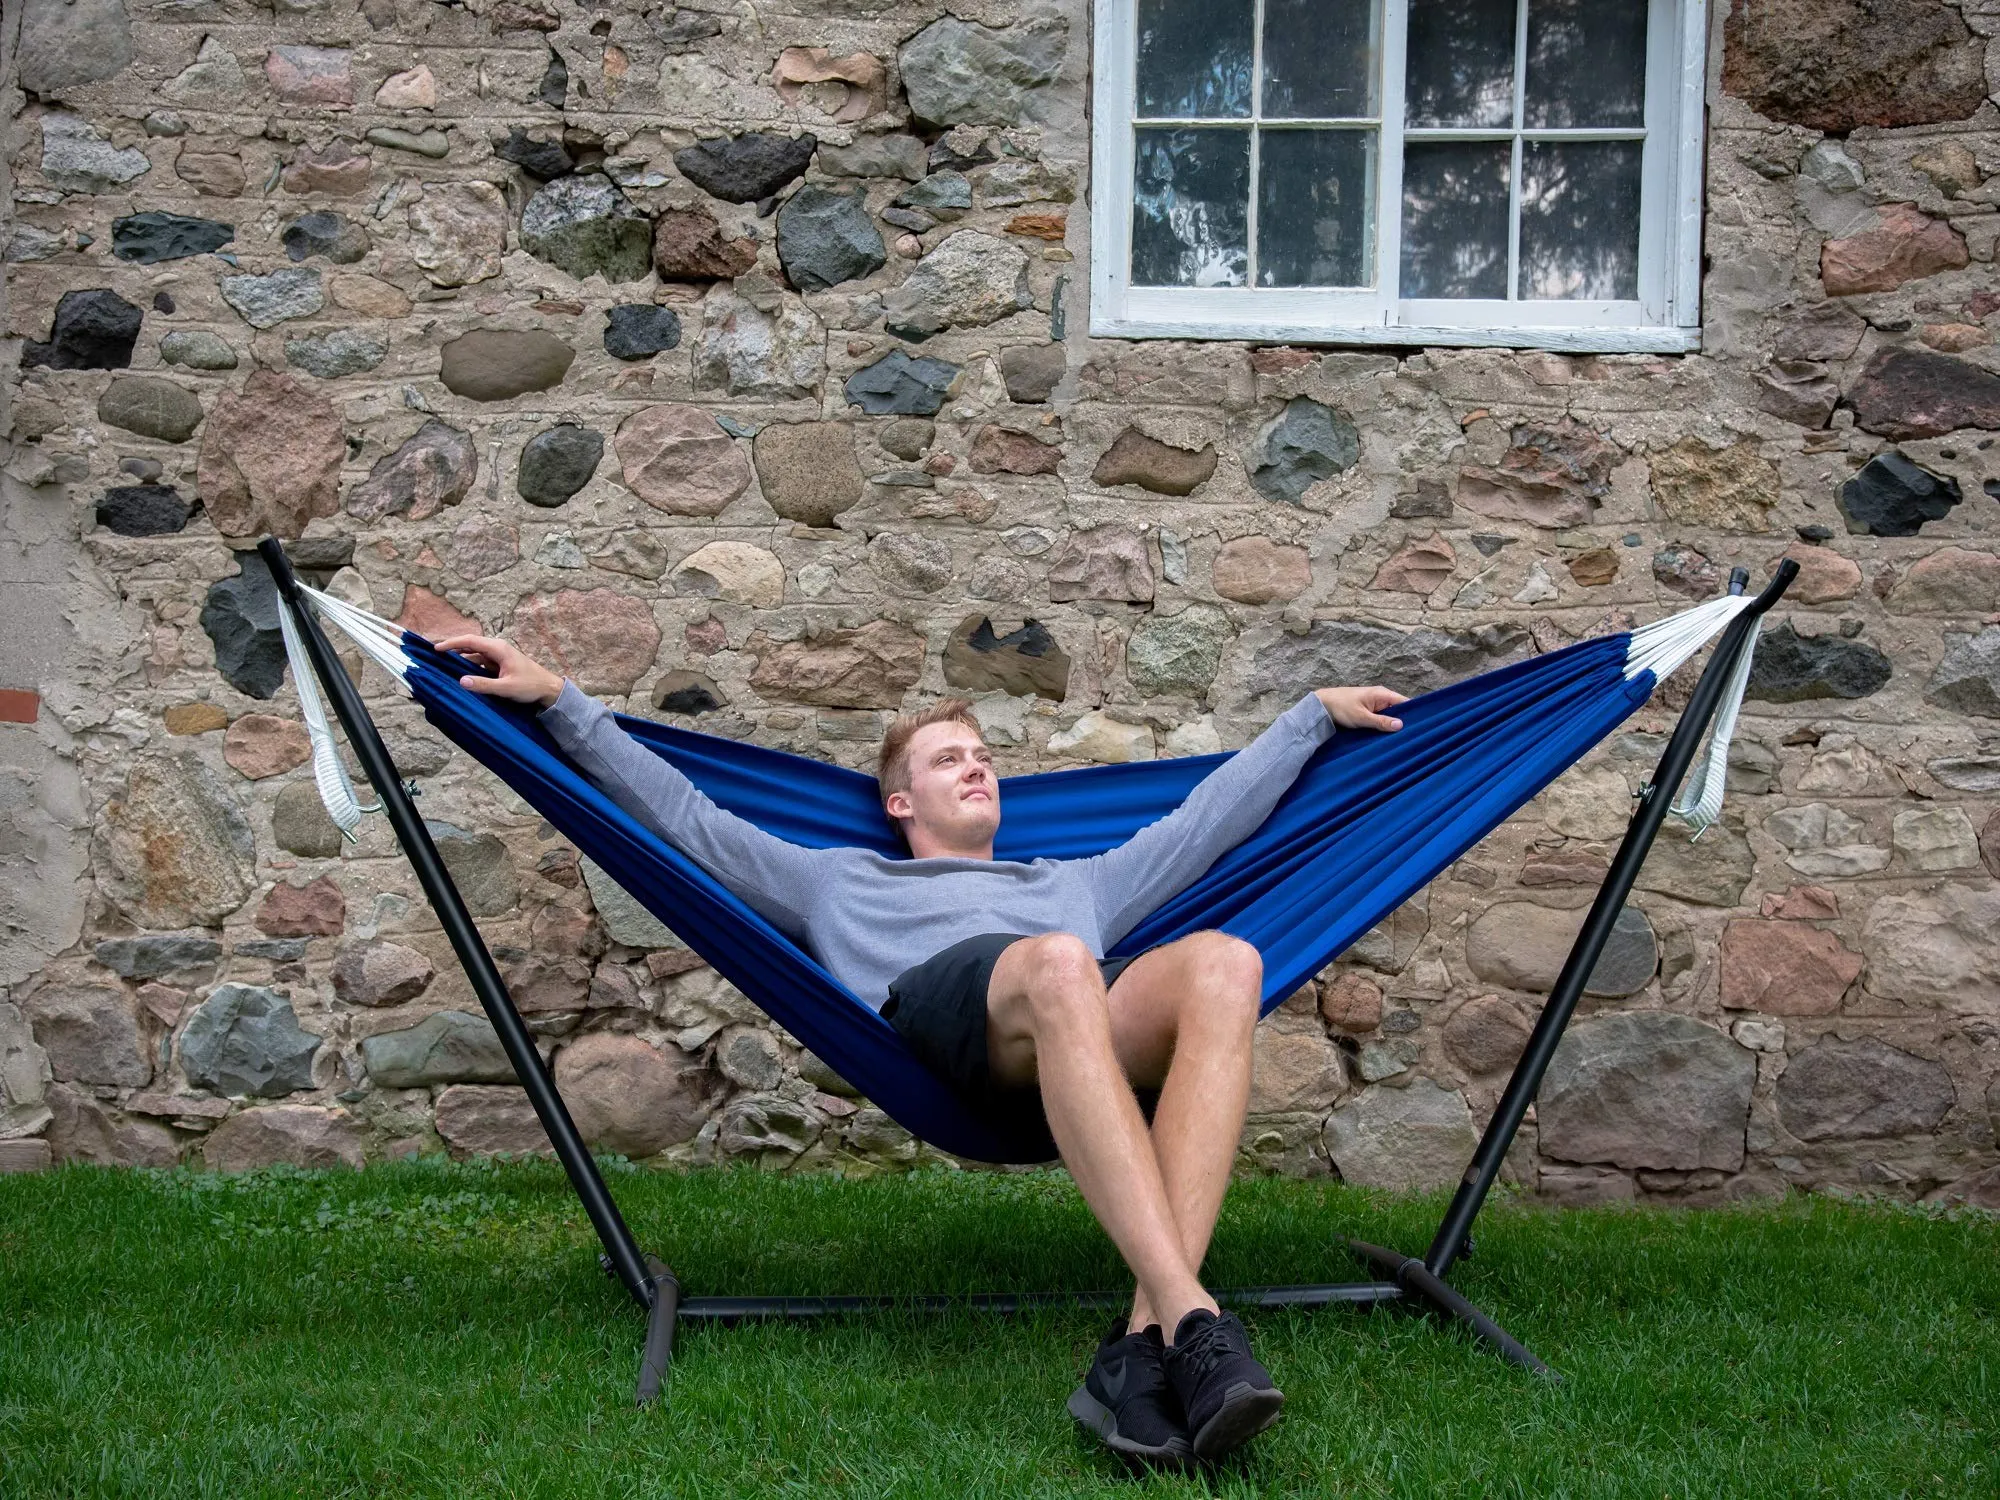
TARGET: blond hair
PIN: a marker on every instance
(892, 772)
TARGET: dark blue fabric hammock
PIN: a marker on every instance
(1369, 821)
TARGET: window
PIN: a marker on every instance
(1513, 172)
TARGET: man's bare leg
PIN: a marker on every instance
(1049, 1020)
(1183, 1019)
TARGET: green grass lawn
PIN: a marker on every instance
(428, 1329)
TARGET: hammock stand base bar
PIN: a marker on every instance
(1411, 1282)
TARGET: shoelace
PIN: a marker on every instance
(1204, 1349)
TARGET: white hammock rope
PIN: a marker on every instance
(1660, 648)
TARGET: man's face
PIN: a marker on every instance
(954, 795)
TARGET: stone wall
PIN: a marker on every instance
(736, 359)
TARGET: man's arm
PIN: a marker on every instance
(1162, 859)
(771, 874)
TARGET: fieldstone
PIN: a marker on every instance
(1256, 570)
(1099, 737)
(1951, 581)
(383, 973)
(874, 156)
(1353, 653)
(1989, 843)
(1967, 773)
(245, 1039)
(415, 88)
(1303, 444)
(553, 90)
(1892, 496)
(688, 246)
(639, 330)
(745, 168)
(300, 825)
(941, 195)
(1524, 946)
(280, 295)
(1412, 1139)
(777, 350)
(1106, 562)
(24, 1076)
(1550, 476)
(480, 867)
(1791, 668)
(493, 364)
(1418, 567)
(1485, 1035)
(737, 571)
(1595, 568)
(79, 158)
(172, 849)
(488, 1119)
(1714, 871)
(1351, 1002)
(911, 566)
(961, 73)
(685, 692)
(213, 77)
(143, 510)
(1915, 393)
(1729, 489)
(678, 460)
(1861, 1090)
(433, 468)
(869, 667)
(1134, 458)
(1003, 450)
(1906, 245)
(63, 45)
(1024, 661)
(1032, 371)
(543, 160)
(603, 639)
(432, 616)
(968, 281)
(631, 1097)
(1179, 653)
(1824, 332)
(90, 1035)
(807, 470)
(1825, 577)
(557, 463)
(627, 922)
(315, 908)
(342, 351)
(157, 954)
(1293, 1069)
(1835, 65)
(260, 745)
(1594, 804)
(586, 226)
(310, 75)
(1935, 947)
(197, 350)
(1798, 392)
(150, 238)
(1935, 838)
(458, 232)
(296, 1135)
(151, 407)
(769, 1126)
(825, 238)
(91, 330)
(1968, 677)
(900, 385)
(1647, 1090)
(340, 170)
(213, 174)
(325, 233)
(270, 460)
(82, 1130)
(748, 1057)
(451, 1046)
(1785, 968)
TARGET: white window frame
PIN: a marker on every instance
(1665, 318)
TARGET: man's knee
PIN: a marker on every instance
(1058, 975)
(1231, 975)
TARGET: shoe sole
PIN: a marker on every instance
(1246, 1410)
(1102, 1422)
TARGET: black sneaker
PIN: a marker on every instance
(1125, 1399)
(1227, 1397)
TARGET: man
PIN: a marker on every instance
(992, 971)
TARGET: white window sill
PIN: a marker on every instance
(1572, 340)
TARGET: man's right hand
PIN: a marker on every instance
(520, 678)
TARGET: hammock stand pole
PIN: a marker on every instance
(651, 1284)
(1409, 1280)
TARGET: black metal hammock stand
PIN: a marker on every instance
(1418, 1282)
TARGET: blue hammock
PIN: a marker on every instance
(1369, 821)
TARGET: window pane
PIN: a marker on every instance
(1586, 63)
(1191, 207)
(1315, 193)
(1194, 58)
(1460, 68)
(1319, 59)
(1580, 219)
(1455, 218)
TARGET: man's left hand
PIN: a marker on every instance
(1361, 707)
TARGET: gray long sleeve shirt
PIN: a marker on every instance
(867, 917)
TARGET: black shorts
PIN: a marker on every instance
(939, 1008)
